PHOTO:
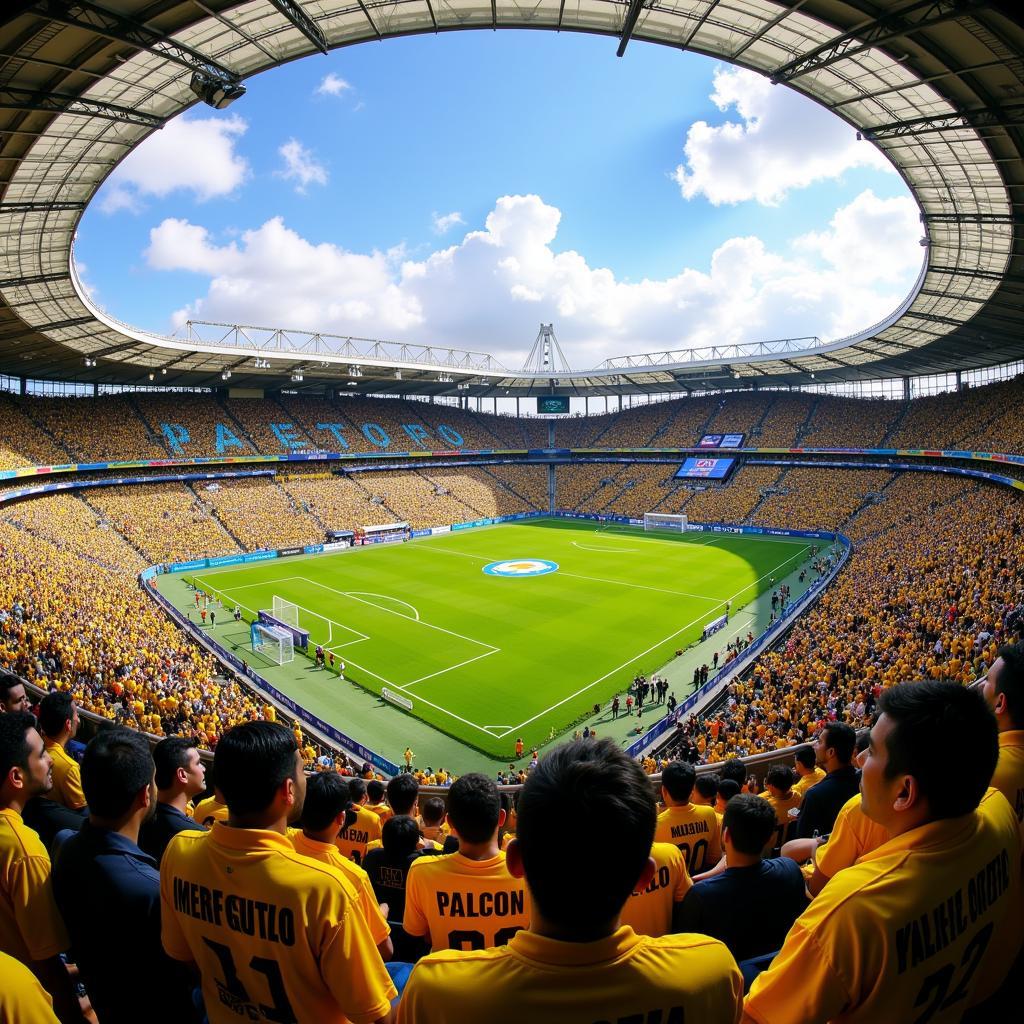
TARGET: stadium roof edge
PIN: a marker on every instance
(940, 81)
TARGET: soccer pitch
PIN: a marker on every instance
(488, 658)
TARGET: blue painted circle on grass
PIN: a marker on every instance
(519, 567)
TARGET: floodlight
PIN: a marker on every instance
(215, 92)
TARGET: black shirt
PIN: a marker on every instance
(47, 818)
(823, 802)
(168, 821)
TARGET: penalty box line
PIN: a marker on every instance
(654, 646)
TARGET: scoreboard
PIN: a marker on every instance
(552, 405)
(705, 469)
(721, 441)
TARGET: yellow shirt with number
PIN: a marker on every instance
(328, 853)
(30, 924)
(534, 979)
(805, 782)
(650, 912)
(696, 831)
(67, 777)
(276, 936)
(22, 999)
(915, 930)
(462, 903)
(853, 835)
(354, 842)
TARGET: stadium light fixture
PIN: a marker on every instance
(297, 376)
(225, 374)
(163, 371)
(152, 376)
(217, 93)
(89, 362)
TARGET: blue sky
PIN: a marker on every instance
(625, 203)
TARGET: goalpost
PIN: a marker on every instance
(288, 613)
(285, 611)
(273, 643)
(664, 521)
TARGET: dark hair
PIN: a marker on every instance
(169, 755)
(842, 739)
(375, 791)
(326, 798)
(54, 710)
(356, 790)
(863, 739)
(432, 811)
(727, 789)
(8, 681)
(14, 749)
(400, 836)
(734, 769)
(707, 786)
(574, 789)
(781, 776)
(251, 762)
(473, 806)
(402, 792)
(116, 765)
(1010, 681)
(805, 756)
(930, 719)
(751, 821)
(678, 779)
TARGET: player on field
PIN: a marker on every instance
(576, 963)
(468, 899)
(276, 936)
(915, 930)
(692, 828)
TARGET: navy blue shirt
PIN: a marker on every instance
(749, 909)
(822, 803)
(108, 892)
(165, 824)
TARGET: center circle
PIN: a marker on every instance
(518, 567)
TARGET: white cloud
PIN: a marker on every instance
(332, 85)
(490, 291)
(784, 141)
(301, 166)
(443, 223)
(196, 155)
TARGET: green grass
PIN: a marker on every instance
(487, 659)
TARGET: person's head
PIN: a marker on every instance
(260, 773)
(13, 698)
(432, 812)
(323, 810)
(25, 766)
(748, 824)
(677, 782)
(805, 760)
(705, 789)
(374, 791)
(1004, 687)
(780, 779)
(907, 779)
(357, 791)
(577, 885)
(863, 739)
(179, 769)
(402, 793)
(117, 777)
(734, 769)
(474, 808)
(58, 716)
(400, 836)
(834, 746)
(727, 789)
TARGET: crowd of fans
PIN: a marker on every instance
(809, 499)
(734, 502)
(260, 514)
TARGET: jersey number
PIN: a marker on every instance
(936, 985)
(466, 939)
(281, 1012)
(695, 856)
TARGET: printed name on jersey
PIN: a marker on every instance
(237, 913)
(483, 904)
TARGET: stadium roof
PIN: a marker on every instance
(937, 84)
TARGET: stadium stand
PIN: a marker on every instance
(735, 502)
(851, 422)
(96, 429)
(260, 514)
(809, 499)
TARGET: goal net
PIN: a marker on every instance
(273, 642)
(663, 521)
(285, 611)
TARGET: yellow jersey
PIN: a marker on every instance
(1009, 774)
(210, 810)
(382, 811)
(328, 853)
(30, 924)
(22, 999)
(67, 778)
(782, 806)
(623, 977)
(805, 782)
(276, 936)
(852, 835)
(650, 912)
(696, 831)
(355, 841)
(462, 903)
(913, 931)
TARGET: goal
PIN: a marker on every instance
(285, 611)
(273, 642)
(660, 521)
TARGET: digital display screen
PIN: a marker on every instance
(732, 441)
(710, 441)
(705, 469)
(552, 405)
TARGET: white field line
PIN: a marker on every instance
(386, 597)
(452, 668)
(610, 551)
(642, 653)
(641, 586)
